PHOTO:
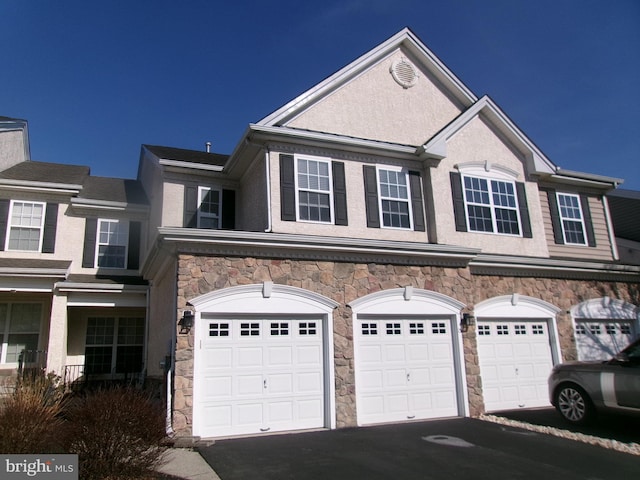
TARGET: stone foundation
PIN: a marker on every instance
(345, 282)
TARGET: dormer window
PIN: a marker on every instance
(209, 207)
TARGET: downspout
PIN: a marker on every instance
(612, 235)
(267, 165)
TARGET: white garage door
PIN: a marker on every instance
(602, 339)
(260, 376)
(515, 362)
(405, 370)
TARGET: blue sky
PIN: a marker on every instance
(96, 79)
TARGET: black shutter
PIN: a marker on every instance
(4, 219)
(524, 210)
(339, 194)
(89, 252)
(50, 226)
(133, 254)
(415, 185)
(190, 207)
(228, 210)
(371, 196)
(287, 188)
(555, 216)
(458, 201)
(588, 222)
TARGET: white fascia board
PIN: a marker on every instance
(585, 179)
(34, 272)
(266, 133)
(436, 147)
(404, 38)
(567, 267)
(41, 187)
(100, 287)
(191, 165)
(103, 205)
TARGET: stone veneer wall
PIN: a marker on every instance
(344, 282)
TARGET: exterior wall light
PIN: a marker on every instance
(466, 321)
(186, 322)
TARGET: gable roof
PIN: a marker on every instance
(406, 39)
(436, 146)
(187, 156)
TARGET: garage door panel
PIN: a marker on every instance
(249, 357)
(310, 355)
(395, 353)
(260, 375)
(370, 354)
(371, 380)
(396, 378)
(279, 356)
(249, 385)
(309, 382)
(400, 366)
(515, 361)
(602, 339)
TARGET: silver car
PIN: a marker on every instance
(580, 389)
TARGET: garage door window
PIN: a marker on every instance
(218, 329)
(279, 329)
(307, 328)
(416, 328)
(249, 329)
(369, 329)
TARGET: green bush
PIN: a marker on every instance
(31, 417)
(117, 433)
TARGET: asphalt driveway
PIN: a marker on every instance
(460, 448)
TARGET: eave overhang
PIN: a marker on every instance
(40, 187)
(172, 241)
(83, 204)
(580, 179)
(485, 264)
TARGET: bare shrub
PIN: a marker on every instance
(31, 417)
(117, 433)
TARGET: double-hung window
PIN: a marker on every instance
(394, 198)
(314, 192)
(113, 239)
(209, 207)
(571, 218)
(19, 330)
(26, 224)
(491, 205)
(114, 345)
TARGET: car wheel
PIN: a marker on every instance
(574, 404)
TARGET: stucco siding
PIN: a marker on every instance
(477, 143)
(375, 106)
(12, 148)
(162, 320)
(251, 205)
(356, 208)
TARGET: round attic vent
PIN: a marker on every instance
(404, 73)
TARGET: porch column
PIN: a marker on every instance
(58, 330)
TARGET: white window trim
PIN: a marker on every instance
(99, 244)
(492, 206)
(201, 215)
(404, 171)
(581, 220)
(328, 161)
(10, 225)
